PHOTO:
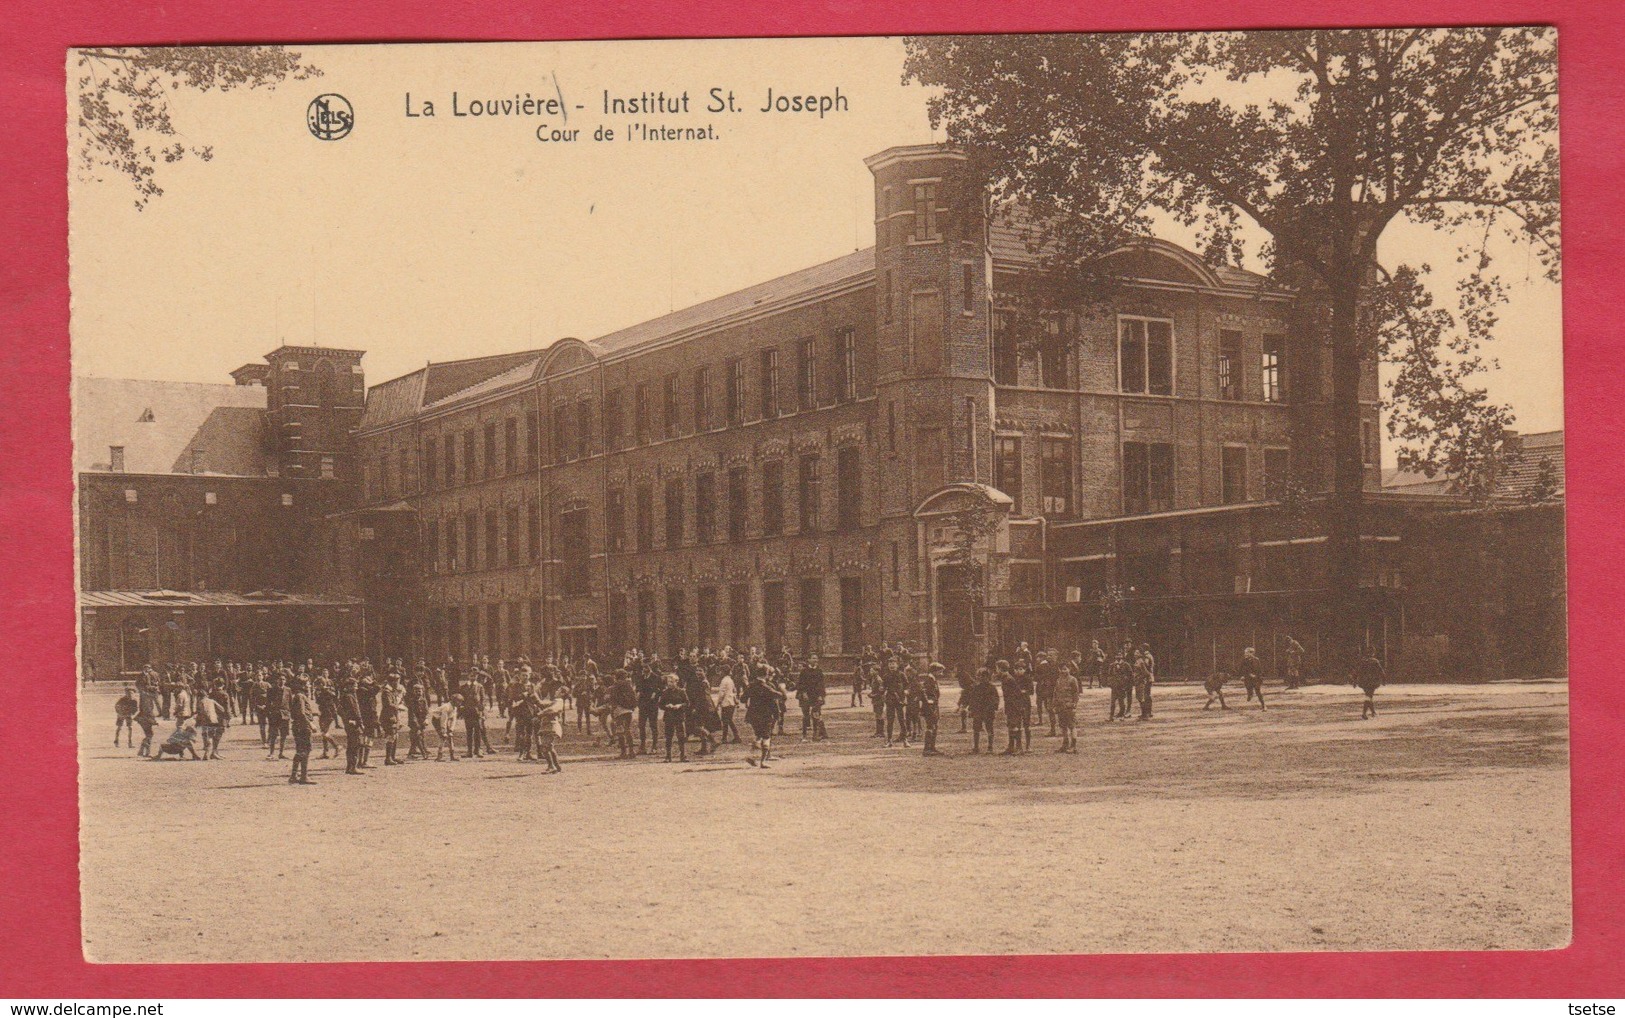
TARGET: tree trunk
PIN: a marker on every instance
(1345, 613)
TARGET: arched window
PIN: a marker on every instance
(325, 386)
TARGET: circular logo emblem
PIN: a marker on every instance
(329, 116)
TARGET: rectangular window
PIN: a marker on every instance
(1055, 477)
(1233, 473)
(810, 598)
(705, 508)
(451, 461)
(773, 616)
(848, 488)
(645, 517)
(493, 546)
(329, 468)
(925, 212)
(471, 540)
(846, 342)
(614, 420)
(490, 450)
(673, 417)
(896, 566)
(533, 439)
(702, 399)
(739, 615)
(773, 498)
(676, 623)
(674, 512)
(646, 619)
(584, 429)
(1272, 369)
(616, 620)
(1229, 364)
(468, 456)
(431, 463)
(1145, 356)
(705, 605)
(807, 374)
(574, 553)
(967, 287)
(1148, 477)
(930, 460)
(1006, 349)
(533, 532)
(510, 442)
(560, 447)
(1053, 350)
(770, 383)
(925, 325)
(808, 492)
(615, 520)
(734, 391)
(115, 458)
(514, 547)
(493, 628)
(431, 547)
(851, 614)
(452, 558)
(737, 504)
(1277, 472)
(641, 414)
(1007, 467)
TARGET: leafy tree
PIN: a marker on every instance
(124, 119)
(1341, 134)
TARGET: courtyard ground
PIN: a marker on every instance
(1441, 824)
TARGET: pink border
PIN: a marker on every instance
(39, 941)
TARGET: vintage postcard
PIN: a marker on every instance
(803, 497)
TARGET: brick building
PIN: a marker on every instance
(199, 508)
(788, 464)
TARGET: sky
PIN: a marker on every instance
(435, 238)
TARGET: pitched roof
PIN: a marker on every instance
(1517, 480)
(446, 382)
(158, 425)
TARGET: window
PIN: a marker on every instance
(705, 508)
(773, 615)
(431, 547)
(1145, 356)
(739, 615)
(641, 412)
(851, 614)
(1272, 369)
(896, 566)
(1007, 467)
(770, 383)
(490, 436)
(925, 212)
(930, 459)
(510, 443)
(846, 342)
(1148, 477)
(512, 522)
(645, 517)
(705, 604)
(329, 468)
(493, 546)
(1053, 349)
(967, 287)
(674, 512)
(574, 553)
(808, 491)
(807, 374)
(888, 310)
(736, 504)
(560, 449)
(613, 420)
(925, 317)
(1055, 477)
(1229, 364)
(1006, 351)
(471, 540)
(431, 463)
(733, 391)
(646, 619)
(451, 543)
(773, 498)
(848, 488)
(702, 398)
(673, 416)
(810, 595)
(533, 439)
(615, 520)
(1233, 473)
(1277, 472)
(617, 621)
(675, 622)
(584, 429)
(533, 532)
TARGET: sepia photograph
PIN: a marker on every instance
(824, 497)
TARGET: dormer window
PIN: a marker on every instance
(115, 458)
(146, 417)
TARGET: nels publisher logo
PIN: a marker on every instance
(329, 116)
